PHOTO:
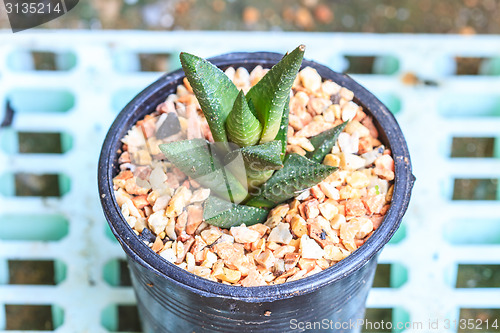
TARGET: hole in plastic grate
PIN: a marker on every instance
(121, 318)
(116, 273)
(477, 66)
(390, 276)
(28, 184)
(396, 319)
(36, 272)
(33, 227)
(469, 147)
(45, 185)
(33, 317)
(128, 318)
(44, 60)
(472, 231)
(155, 62)
(382, 277)
(373, 319)
(127, 62)
(23, 60)
(479, 320)
(468, 65)
(464, 104)
(360, 65)
(475, 189)
(30, 142)
(13, 142)
(35, 100)
(383, 64)
(478, 276)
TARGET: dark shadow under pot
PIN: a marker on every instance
(172, 300)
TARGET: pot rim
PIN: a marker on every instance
(140, 252)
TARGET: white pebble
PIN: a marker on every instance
(349, 111)
(169, 255)
(348, 144)
(161, 203)
(303, 195)
(157, 178)
(158, 221)
(310, 79)
(310, 249)
(281, 234)
(241, 77)
(244, 235)
(330, 88)
(230, 72)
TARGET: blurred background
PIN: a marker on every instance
(385, 16)
(435, 64)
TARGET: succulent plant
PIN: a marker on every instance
(247, 167)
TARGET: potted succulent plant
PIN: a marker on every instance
(247, 166)
(242, 218)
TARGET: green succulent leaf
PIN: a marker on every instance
(282, 135)
(196, 158)
(270, 94)
(213, 89)
(259, 163)
(224, 214)
(324, 142)
(256, 178)
(258, 158)
(243, 128)
(260, 202)
(297, 174)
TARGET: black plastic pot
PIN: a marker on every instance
(172, 300)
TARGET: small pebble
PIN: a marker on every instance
(147, 236)
(169, 127)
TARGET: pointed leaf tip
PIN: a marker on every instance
(298, 173)
(271, 92)
(213, 89)
(324, 142)
(243, 128)
(186, 58)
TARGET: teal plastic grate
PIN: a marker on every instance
(70, 86)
